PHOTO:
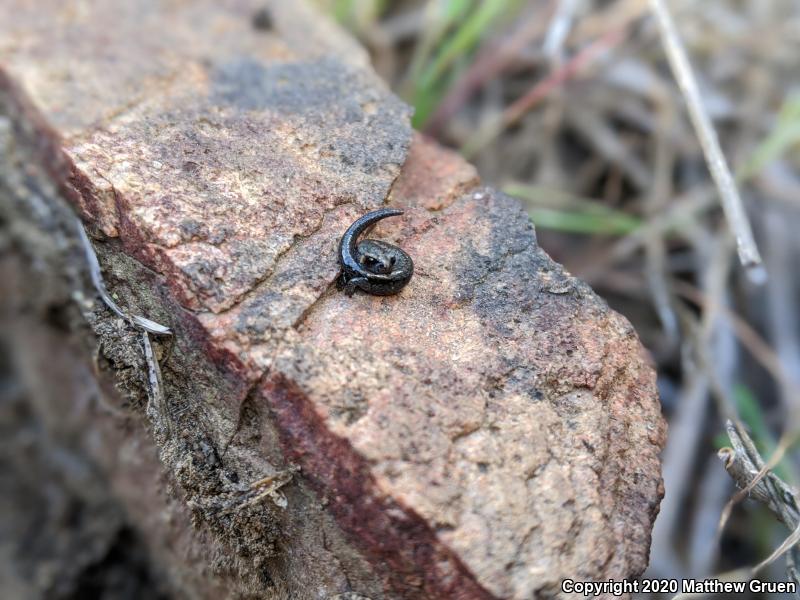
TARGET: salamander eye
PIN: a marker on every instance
(375, 264)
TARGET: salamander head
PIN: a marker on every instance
(376, 257)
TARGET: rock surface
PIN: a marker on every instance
(488, 432)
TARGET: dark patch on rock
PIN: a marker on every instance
(327, 94)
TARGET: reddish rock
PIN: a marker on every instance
(489, 431)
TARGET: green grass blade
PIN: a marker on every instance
(784, 137)
(551, 209)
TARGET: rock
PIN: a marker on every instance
(488, 432)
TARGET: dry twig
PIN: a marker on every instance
(97, 280)
(146, 326)
(155, 381)
(744, 464)
(729, 193)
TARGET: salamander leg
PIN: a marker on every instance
(351, 285)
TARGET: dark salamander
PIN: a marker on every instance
(372, 266)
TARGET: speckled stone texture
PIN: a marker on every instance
(489, 431)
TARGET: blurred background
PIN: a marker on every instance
(572, 106)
